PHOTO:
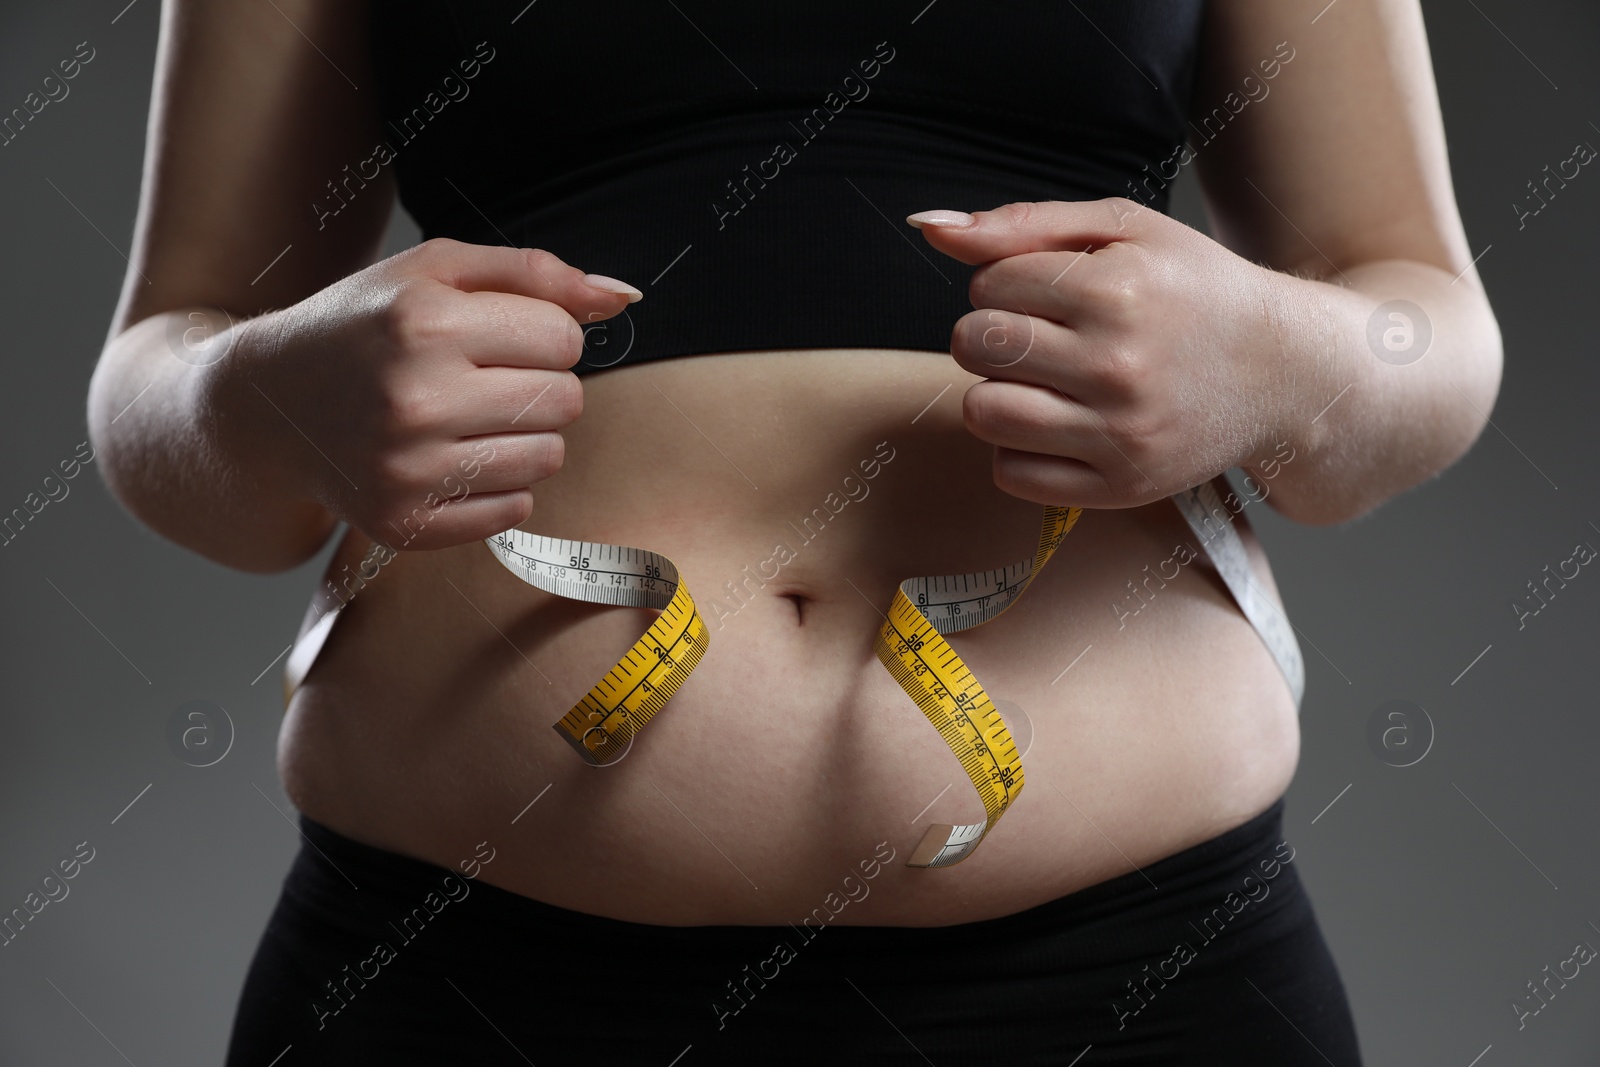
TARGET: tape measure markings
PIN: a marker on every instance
(648, 572)
(910, 644)
(604, 721)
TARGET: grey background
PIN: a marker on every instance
(1437, 915)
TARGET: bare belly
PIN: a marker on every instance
(790, 757)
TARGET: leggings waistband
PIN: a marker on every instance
(1208, 956)
(1244, 861)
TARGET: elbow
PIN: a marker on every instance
(1319, 508)
(116, 466)
(275, 545)
(134, 463)
(1418, 419)
(1463, 405)
(1483, 384)
(1348, 481)
(284, 555)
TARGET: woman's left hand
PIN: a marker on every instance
(1128, 356)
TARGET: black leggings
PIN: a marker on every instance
(1222, 964)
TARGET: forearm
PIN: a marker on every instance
(179, 465)
(1364, 426)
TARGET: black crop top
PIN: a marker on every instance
(750, 165)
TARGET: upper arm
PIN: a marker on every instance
(256, 107)
(1340, 157)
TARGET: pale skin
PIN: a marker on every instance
(347, 389)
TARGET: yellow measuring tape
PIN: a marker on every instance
(911, 645)
(601, 726)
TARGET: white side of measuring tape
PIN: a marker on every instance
(955, 602)
(602, 725)
(588, 570)
(640, 578)
(934, 676)
(304, 652)
(581, 570)
(1212, 523)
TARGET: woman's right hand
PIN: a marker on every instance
(420, 398)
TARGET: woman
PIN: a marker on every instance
(469, 888)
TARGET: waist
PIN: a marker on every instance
(795, 491)
(1195, 880)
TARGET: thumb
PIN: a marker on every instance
(1030, 226)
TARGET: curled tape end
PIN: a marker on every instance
(931, 846)
(304, 652)
(944, 845)
(607, 752)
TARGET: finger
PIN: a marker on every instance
(1031, 226)
(1046, 444)
(1075, 288)
(1032, 418)
(456, 522)
(1061, 481)
(455, 470)
(1007, 347)
(1011, 347)
(532, 272)
(493, 400)
(501, 462)
(506, 330)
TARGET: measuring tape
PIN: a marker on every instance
(910, 645)
(1201, 507)
(601, 725)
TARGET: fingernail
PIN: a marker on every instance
(612, 285)
(940, 218)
